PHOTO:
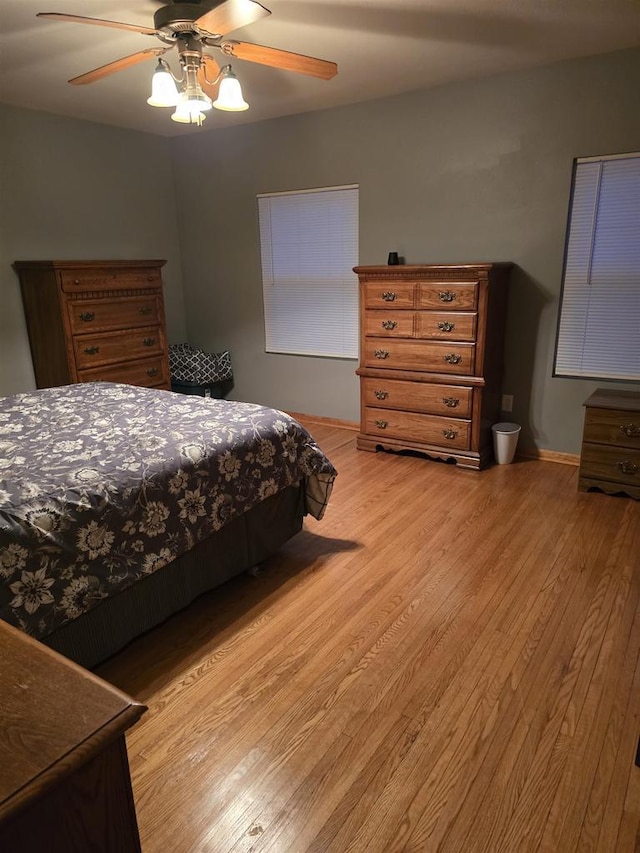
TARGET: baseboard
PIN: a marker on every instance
(549, 456)
(319, 419)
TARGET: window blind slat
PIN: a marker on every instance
(599, 323)
(309, 246)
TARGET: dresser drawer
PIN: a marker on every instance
(101, 314)
(612, 464)
(430, 429)
(455, 296)
(398, 324)
(444, 324)
(448, 400)
(110, 347)
(389, 295)
(98, 278)
(152, 373)
(434, 357)
(612, 426)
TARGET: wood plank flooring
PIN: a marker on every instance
(448, 661)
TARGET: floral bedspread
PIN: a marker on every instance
(102, 484)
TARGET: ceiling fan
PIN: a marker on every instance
(192, 27)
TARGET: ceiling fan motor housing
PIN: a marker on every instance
(177, 18)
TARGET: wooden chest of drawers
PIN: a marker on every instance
(610, 457)
(431, 350)
(95, 320)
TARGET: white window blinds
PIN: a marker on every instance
(599, 322)
(309, 246)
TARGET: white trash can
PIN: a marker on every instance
(505, 440)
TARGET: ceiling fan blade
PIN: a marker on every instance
(231, 15)
(207, 73)
(281, 59)
(79, 19)
(118, 65)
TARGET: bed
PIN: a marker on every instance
(119, 505)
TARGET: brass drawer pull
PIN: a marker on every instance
(381, 395)
(91, 350)
(146, 309)
(452, 402)
(447, 295)
(149, 342)
(87, 316)
(452, 358)
(628, 467)
(450, 433)
(630, 430)
(382, 424)
(381, 353)
(389, 324)
(389, 296)
(153, 371)
(446, 326)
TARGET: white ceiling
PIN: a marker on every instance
(382, 47)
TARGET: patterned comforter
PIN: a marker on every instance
(102, 484)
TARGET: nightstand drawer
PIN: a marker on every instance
(612, 426)
(430, 429)
(612, 464)
(433, 357)
(449, 400)
(111, 347)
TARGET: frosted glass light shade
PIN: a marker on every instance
(187, 113)
(164, 92)
(230, 94)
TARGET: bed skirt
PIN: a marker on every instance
(245, 541)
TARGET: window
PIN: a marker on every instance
(599, 321)
(309, 246)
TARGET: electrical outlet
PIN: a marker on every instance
(507, 402)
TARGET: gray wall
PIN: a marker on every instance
(71, 190)
(478, 171)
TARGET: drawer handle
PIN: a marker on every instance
(627, 467)
(452, 402)
(446, 326)
(381, 353)
(91, 350)
(87, 316)
(389, 324)
(153, 371)
(450, 433)
(382, 424)
(630, 430)
(389, 296)
(146, 309)
(149, 342)
(446, 295)
(381, 395)
(452, 358)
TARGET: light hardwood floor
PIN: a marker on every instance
(447, 662)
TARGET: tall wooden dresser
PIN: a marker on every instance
(95, 320)
(431, 353)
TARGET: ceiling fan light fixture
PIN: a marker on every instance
(164, 92)
(230, 96)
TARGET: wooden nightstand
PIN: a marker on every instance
(610, 458)
(64, 777)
